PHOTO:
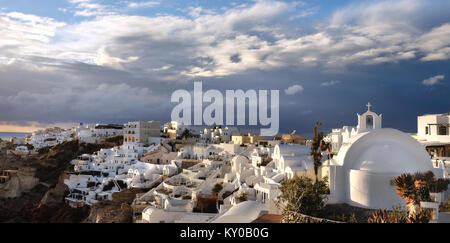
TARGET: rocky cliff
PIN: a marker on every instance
(23, 180)
(35, 193)
(116, 211)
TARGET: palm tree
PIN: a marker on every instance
(317, 146)
(406, 189)
(416, 188)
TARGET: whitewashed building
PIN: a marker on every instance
(93, 133)
(140, 132)
(49, 137)
(433, 132)
(293, 159)
(361, 173)
(218, 134)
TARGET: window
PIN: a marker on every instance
(426, 130)
(442, 130)
(369, 122)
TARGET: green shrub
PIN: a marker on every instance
(186, 197)
(217, 188)
(445, 206)
(301, 195)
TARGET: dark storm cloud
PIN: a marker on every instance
(116, 68)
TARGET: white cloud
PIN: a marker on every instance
(79, 1)
(330, 83)
(142, 4)
(433, 80)
(25, 34)
(305, 13)
(436, 43)
(294, 89)
(206, 44)
(88, 8)
(61, 64)
(104, 59)
(163, 68)
(195, 11)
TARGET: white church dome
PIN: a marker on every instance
(244, 212)
(386, 151)
(369, 158)
(239, 159)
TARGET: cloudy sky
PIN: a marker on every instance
(71, 61)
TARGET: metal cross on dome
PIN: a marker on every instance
(368, 106)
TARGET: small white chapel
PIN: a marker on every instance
(366, 160)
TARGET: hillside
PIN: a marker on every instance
(36, 192)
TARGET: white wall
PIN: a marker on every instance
(371, 190)
(422, 123)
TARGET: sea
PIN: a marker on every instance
(9, 135)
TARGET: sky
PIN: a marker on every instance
(63, 62)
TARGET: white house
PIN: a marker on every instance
(433, 132)
(218, 134)
(205, 151)
(92, 133)
(293, 159)
(434, 127)
(48, 137)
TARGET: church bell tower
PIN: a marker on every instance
(369, 120)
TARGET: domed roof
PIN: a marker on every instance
(292, 149)
(239, 159)
(151, 209)
(244, 212)
(384, 151)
